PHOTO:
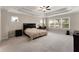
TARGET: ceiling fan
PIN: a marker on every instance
(45, 8)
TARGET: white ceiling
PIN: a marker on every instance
(35, 10)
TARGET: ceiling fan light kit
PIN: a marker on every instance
(45, 8)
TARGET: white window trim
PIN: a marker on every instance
(69, 23)
(61, 23)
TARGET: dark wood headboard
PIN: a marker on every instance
(28, 25)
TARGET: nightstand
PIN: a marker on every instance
(18, 32)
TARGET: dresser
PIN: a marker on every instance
(76, 41)
(18, 32)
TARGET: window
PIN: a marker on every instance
(65, 23)
(51, 23)
(60, 23)
(57, 23)
(42, 22)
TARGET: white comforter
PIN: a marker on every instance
(33, 32)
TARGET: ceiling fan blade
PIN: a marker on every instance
(48, 9)
(47, 6)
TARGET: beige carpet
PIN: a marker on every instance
(53, 42)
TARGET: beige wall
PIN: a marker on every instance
(22, 19)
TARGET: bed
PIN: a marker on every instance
(30, 30)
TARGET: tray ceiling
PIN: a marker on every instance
(36, 11)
